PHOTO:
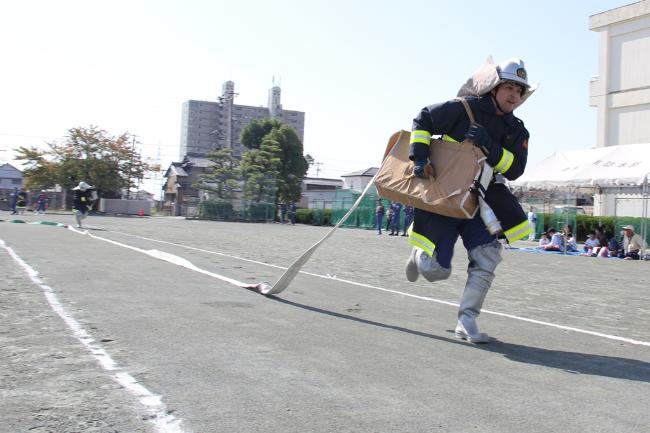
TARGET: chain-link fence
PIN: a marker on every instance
(364, 216)
(318, 212)
(236, 210)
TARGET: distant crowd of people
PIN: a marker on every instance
(290, 209)
(84, 197)
(393, 216)
(19, 199)
(598, 243)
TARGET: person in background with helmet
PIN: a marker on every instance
(504, 140)
(21, 201)
(84, 198)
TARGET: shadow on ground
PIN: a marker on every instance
(571, 362)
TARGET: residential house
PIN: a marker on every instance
(357, 180)
(180, 197)
(318, 192)
(10, 178)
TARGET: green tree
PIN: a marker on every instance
(252, 136)
(40, 173)
(223, 176)
(293, 164)
(260, 168)
(89, 154)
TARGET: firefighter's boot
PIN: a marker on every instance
(480, 274)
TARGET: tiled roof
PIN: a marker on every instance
(367, 172)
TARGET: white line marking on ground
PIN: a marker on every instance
(397, 292)
(163, 421)
(171, 258)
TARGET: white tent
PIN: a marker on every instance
(626, 164)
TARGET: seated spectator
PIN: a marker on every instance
(571, 244)
(614, 247)
(557, 241)
(569, 239)
(568, 231)
(632, 243)
(543, 240)
(601, 236)
(598, 252)
(602, 249)
(590, 243)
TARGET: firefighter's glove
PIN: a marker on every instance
(481, 139)
(422, 168)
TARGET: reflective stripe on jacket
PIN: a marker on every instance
(450, 121)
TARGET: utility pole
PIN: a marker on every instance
(130, 173)
(317, 164)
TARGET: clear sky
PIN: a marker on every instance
(361, 70)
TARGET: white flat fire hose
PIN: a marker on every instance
(292, 271)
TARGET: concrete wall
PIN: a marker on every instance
(621, 91)
(124, 207)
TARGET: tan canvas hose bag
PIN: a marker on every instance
(456, 165)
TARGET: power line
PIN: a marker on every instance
(31, 136)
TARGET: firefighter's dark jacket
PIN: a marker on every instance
(82, 200)
(450, 121)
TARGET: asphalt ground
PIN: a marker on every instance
(104, 338)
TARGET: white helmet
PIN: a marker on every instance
(513, 70)
(490, 75)
(82, 186)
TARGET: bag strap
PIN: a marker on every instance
(468, 110)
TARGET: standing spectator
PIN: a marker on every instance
(394, 225)
(632, 243)
(13, 200)
(283, 212)
(379, 215)
(532, 221)
(389, 216)
(292, 213)
(408, 219)
(41, 201)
